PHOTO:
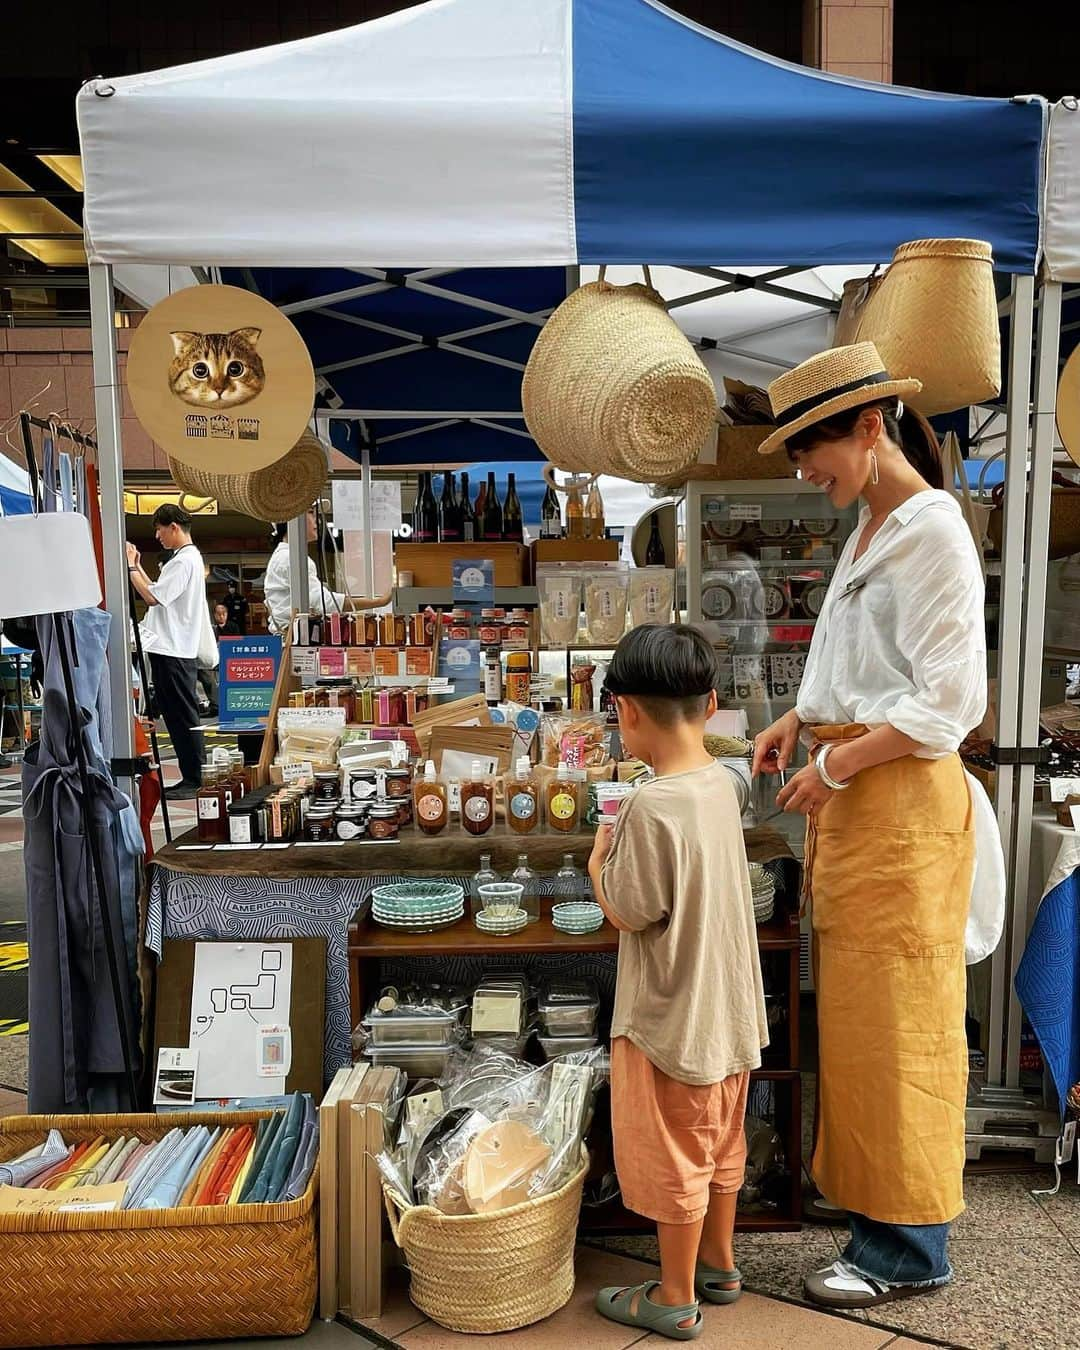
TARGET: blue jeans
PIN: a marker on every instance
(897, 1253)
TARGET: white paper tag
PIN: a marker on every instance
(423, 1106)
(291, 772)
(744, 511)
(233, 847)
(305, 664)
(266, 846)
(188, 848)
(273, 1050)
(1060, 788)
(174, 1080)
(496, 1015)
(300, 717)
(439, 684)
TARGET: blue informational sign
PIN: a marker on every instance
(247, 673)
(474, 581)
(459, 660)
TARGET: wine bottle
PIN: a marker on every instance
(594, 513)
(654, 551)
(478, 509)
(513, 526)
(550, 515)
(449, 511)
(575, 509)
(493, 512)
(469, 530)
(425, 513)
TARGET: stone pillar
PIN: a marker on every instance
(849, 37)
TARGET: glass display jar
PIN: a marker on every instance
(383, 821)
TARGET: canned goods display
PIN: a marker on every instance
(813, 598)
(819, 527)
(718, 600)
(775, 598)
(774, 528)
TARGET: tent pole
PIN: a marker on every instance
(1031, 652)
(365, 511)
(298, 568)
(111, 482)
(1009, 635)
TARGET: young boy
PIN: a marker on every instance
(689, 1020)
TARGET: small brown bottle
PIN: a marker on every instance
(477, 801)
(429, 801)
(522, 799)
(212, 806)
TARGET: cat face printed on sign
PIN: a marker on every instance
(218, 370)
(221, 379)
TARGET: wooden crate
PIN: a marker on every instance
(573, 550)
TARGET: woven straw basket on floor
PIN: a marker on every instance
(613, 386)
(279, 491)
(491, 1272)
(933, 315)
(195, 1274)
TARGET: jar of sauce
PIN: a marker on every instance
(350, 822)
(398, 782)
(319, 826)
(327, 785)
(383, 821)
(477, 801)
(363, 786)
(518, 682)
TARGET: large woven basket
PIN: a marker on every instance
(195, 1274)
(279, 491)
(491, 1272)
(613, 386)
(1064, 538)
(933, 315)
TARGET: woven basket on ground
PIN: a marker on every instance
(491, 1272)
(194, 1274)
(933, 315)
(613, 386)
(279, 491)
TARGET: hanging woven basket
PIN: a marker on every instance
(279, 491)
(613, 386)
(933, 315)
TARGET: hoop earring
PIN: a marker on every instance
(874, 479)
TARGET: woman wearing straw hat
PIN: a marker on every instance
(895, 679)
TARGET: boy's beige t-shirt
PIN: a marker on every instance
(688, 992)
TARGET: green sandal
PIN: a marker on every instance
(615, 1302)
(709, 1284)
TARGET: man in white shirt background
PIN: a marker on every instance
(171, 631)
(277, 585)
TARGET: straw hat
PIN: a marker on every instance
(831, 382)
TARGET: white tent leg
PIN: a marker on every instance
(298, 568)
(111, 482)
(1009, 632)
(368, 572)
(1031, 652)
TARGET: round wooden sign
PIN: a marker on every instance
(1068, 406)
(221, 379)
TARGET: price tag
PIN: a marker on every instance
(1074, 812)
(1062, 788)
(439, 684)
(300, 717)
(305, 664)
(541, 684)
(744, 511)
(1067, 1143)
(291, 772)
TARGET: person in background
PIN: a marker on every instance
(224, 624)
(689, 1021)
(175, 616)
(237, 607)
(277, 585)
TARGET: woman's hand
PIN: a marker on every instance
(805, 793)
(775, 746)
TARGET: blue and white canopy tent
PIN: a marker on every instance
(355, 175)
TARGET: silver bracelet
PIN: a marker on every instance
(823, 773)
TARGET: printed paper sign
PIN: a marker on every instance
(1063, 788)
(385, 498)
(248, 669)
(744, 511)
(474, 581)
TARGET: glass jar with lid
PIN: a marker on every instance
(383, 821)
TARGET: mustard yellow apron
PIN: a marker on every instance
(889, 866)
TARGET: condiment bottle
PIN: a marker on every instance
(493, 676)
(594, 513)
(569, 882)
(477, 801)
(522, 799)
(575, 510)
(563, 801)
(518, 683)
(212, 805)
(429, 797)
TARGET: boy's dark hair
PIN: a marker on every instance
(169, 514)
(670, 668)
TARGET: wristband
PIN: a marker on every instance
(823, 772)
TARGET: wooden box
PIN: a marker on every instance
(573, 550)
(433, 564)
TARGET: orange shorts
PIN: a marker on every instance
(674, 1142)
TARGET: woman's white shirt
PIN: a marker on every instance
(901, 637)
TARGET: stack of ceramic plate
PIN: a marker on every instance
(577, 916)
(763, 890)
(501, 925)
(417, 906)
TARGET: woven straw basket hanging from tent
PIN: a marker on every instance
(279, 491)
(933, 315)
(613, 386)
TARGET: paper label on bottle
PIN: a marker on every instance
(209, 808)
(523, 806)
(430, 807)
(477, 809)
(240, 829)
(348, 829)
(562, 806)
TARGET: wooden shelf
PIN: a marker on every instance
(367, 940)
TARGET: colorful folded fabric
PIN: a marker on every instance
(263, 1144)
(119, 1162)
(197, 1179)
(151, 1167)
(165, 1189)
(242, 1176)
(217, 1185)
(280, 1161)
(23, 1170)
(297, 1180)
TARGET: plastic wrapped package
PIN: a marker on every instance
(569, 1007)
(559, 590)
(606, 587)
(581, 741)
(415, 1061)
(652, 595)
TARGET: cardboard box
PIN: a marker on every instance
(573, 550)
(432, 564)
